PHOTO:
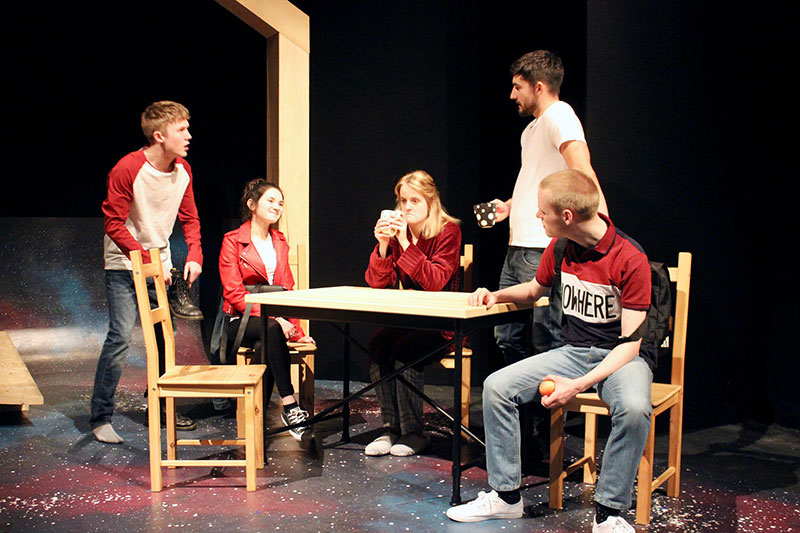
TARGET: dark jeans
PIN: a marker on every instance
(123, 312)
(545, 332)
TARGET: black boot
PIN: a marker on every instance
(180, 301)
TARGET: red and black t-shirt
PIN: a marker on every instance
(596, 284)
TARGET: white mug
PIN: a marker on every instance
(390, 214)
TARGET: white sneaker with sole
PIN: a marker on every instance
(486, 507)
(613, 524)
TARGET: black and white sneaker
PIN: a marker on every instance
(295, 416)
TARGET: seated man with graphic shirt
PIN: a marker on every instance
(601, 264)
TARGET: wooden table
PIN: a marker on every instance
(447, 311)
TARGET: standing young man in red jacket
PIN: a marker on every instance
(147, 190)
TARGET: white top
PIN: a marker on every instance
(154, 198)
(541, 156)
(266, 250)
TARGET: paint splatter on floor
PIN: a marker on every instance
(55, 476)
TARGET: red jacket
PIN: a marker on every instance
(429, 265)
(240, 265)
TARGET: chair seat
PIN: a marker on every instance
(449, 362)
(590, 402)
(302, 347)
(212, 375)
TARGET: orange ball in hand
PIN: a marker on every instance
(547, 387)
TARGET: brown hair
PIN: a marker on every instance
(254, 190)
(540, 65)
(159, 115)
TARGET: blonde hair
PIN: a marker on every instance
(159, 115)
(422, 182)
(573, 190)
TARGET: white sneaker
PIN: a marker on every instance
(613, 524)
(486, 507)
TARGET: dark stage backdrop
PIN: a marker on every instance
(666, 93)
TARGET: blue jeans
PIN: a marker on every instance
(626, 391)
(123, 312)
(520, 267)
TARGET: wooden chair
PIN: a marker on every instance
(448, 361)
(665, 396)
(192, 381)
(302, 368)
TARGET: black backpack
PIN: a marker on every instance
(654, 331)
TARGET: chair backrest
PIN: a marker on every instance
(466, 269)
(298, 260)
(682, 276)
(150, 317)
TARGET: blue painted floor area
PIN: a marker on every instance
(55, 477)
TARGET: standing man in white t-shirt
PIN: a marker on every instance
(553, 141)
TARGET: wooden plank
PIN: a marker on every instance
(269, 17)
(17, 386)
(420, 303)
(197, 376)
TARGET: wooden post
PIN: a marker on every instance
(287, 31)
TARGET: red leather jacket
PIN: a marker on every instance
(240, 265)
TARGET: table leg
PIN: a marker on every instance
(456, 469)
(346, 384)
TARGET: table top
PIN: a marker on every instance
(365, 299)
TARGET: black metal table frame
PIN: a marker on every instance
(461, 328)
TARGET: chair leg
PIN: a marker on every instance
(240, 416)
(259, 414)
(307, 386)
(296, 377)
(250, 438)
(240, 360)
(590, 448)
(644, 489)
(675, 446)
(556, 487)
(466, 385)
(154, 435)
(172, 436)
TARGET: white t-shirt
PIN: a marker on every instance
(541, 156)
(266, 250)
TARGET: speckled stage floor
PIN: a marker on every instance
(55, 477)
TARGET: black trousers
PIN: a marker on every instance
(278, 359)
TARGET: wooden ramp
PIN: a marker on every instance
(17, 388)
